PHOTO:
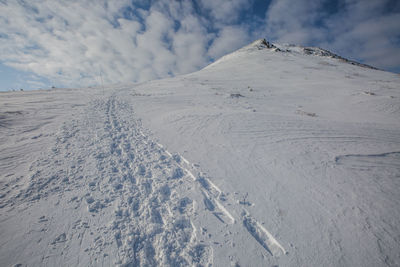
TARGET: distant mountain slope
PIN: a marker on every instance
(289, 48)
(274, 155)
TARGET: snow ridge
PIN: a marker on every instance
(263, 44)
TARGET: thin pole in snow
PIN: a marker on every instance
(101, 78)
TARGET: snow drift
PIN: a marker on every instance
(272, 155)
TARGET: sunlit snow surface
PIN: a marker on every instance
(266, 157)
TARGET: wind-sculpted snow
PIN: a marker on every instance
(264, 158)
(124, 199)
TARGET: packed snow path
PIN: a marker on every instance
(118, 193)
(106, 194)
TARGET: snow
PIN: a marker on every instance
(271, 156)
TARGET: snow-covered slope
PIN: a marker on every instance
(272, 155)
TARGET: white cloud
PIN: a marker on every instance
(367, 32)
(226, 11)
(294, 21)
(61, 41)
(71, 41)
(229, 39)
(363, 30)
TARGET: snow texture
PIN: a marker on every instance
(274, 155)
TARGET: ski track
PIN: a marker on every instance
(106, 164)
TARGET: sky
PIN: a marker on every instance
(76, 43)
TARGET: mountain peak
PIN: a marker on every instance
(263, 44)
(259, 45)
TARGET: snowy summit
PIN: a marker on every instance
(274, 155)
